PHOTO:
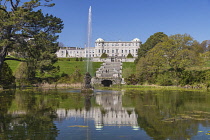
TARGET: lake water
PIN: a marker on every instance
(106, 115)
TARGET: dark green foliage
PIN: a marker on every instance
(80, 59)
(164, 79)
(64, 74)
(63, 59)
(129, 55)
(149, 44)
(77, 59)
(193, 77)
(131, 80)
(6, 78)
(104, 55)
(75, 77)
(30, 34)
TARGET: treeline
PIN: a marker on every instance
(172, 60)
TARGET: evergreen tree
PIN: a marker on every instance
(6, 77)
(129, 55)
(104, 55)
(29, 33)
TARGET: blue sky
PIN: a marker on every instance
(125, 20)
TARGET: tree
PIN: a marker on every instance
(25, 31)
(205, 45)
(104, 55)
(149, 44)
(175, 53)
(129, 55)
(6, 77)
(40, 51)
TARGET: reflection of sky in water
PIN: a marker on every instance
(109, 121)
(106, 133)
(202, 134)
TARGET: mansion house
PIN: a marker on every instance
(111, 48)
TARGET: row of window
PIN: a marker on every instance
(117, 44)
(116, 51)
(101, 51)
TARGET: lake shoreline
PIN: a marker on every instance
(114, 87)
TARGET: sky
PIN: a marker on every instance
(114, 20)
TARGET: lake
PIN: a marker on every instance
(124, 115)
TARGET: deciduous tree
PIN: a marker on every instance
(175, 53)
(149, 44)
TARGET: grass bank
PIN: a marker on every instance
(148, 87)
(66, 66)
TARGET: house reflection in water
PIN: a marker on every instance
(111, 112)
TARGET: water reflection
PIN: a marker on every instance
(64, 114)
(109, 113)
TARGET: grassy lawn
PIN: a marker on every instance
(13, 64)
(128, 68)
(69, 67)
(129, 65)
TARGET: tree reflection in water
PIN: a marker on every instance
(170, 115)
(161, 114)
(27, 115)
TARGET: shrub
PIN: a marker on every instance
(164, 79)
(129, 55)
(104, 55)
(6, 78)
(80, 59)
(132, 80)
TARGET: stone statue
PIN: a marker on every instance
(87, 80)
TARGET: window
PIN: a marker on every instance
(107, 51)
(122, 44)
(112, 51)
(116, 50)
(122, 51)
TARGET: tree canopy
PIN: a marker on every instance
(27, 32)
(175, 53)
(149, 44)
(21, 25)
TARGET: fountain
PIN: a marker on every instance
(87, 88)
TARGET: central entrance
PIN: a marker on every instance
(106, 83)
